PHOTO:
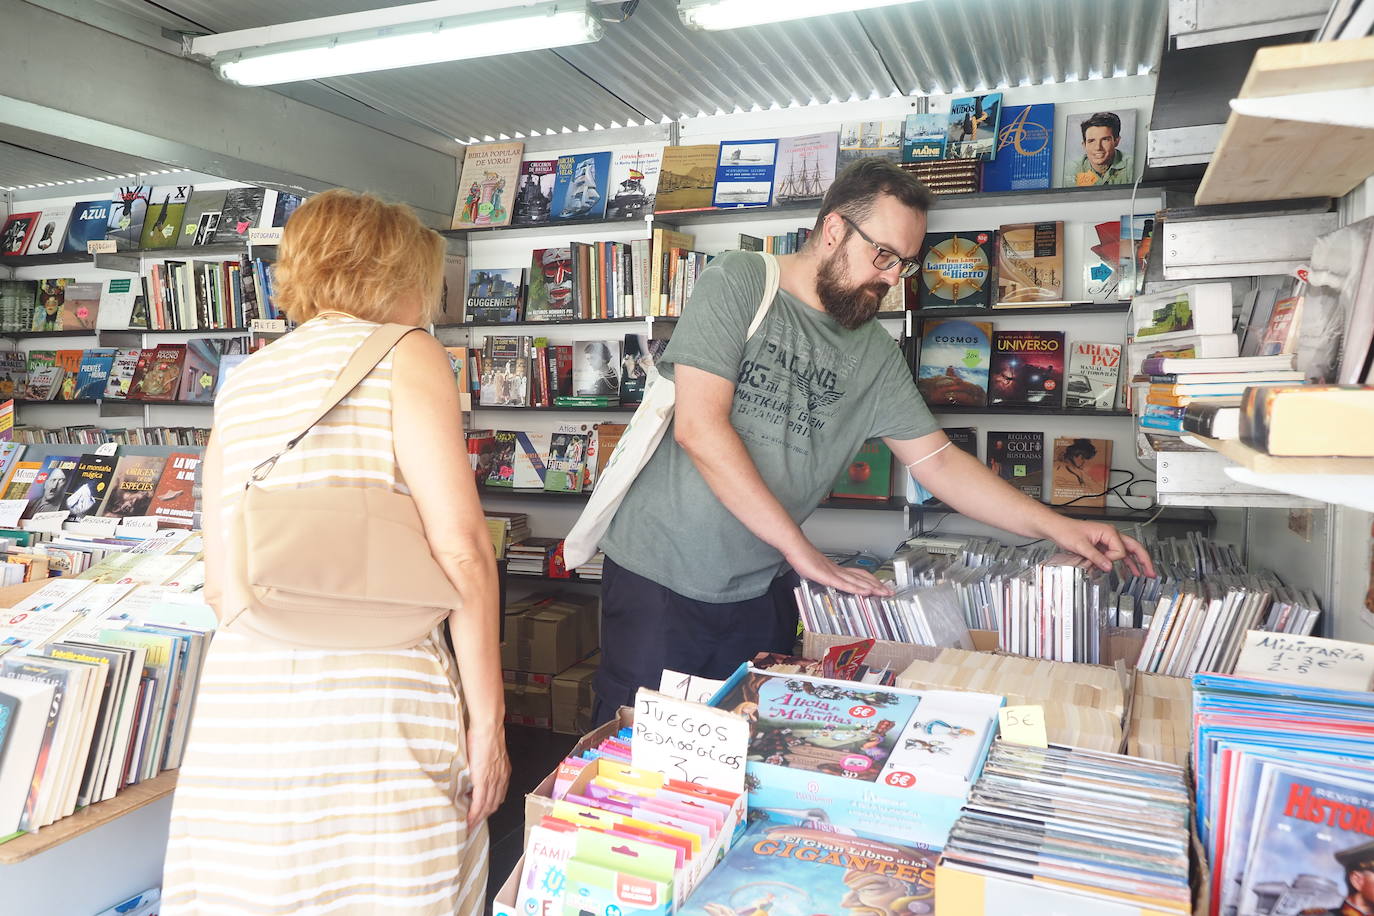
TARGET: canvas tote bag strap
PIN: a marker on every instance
(771, 279)
(373, 350)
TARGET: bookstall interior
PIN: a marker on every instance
(1177, 339)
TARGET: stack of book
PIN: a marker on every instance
(506, 528)
(591, 570)
(1204, 395)
(923, 616)
(532, 556)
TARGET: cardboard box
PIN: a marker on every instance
(894, 655)
(548, 633)
(572, 698)
(529, 702)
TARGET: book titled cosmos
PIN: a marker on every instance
(956, 269)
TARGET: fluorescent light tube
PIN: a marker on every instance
(544, 25)
(713, 15)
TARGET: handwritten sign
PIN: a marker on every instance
(687, 686)
(265, 236)
(102, 246)
(95, 526)
(689, 741)
(139, 523)
(267, 326)
(10, 510)
(1023, 725)
(108, 449)
(1307, 660)
(50, 522)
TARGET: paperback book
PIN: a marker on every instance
(534, 196)
(550, 292)
(687, 179)
(633, 182)
(955, 355)
(1025, 150)
(923, 137)
(127, 209)
(166, 212)
(1094, 370)
(596, 368)
(1019, 459)
(956, 269)
(580, 187)
(51, 231)
(90, 219)
(567, 457)
(744, 173)
(1030, 263)
(494, 294)
(806, 167)
(1082, 470)
(242, 211)
(487, 185)
(80, 307)
(505, 378)
(15, 235)
(867, 140)
(1027, 368)
(1097, 147)
(973, 127)
(1102, 261)
(868, 476)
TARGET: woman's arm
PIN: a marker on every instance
(428, 429)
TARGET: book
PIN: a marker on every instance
(551, 285)
(174, 499)
(1213, 419)
(805, 167)
(158, 374)
(1137, 239)
(130, 493)
(200, 370)
(200, 218)
(1280, 335)
(166, 213)
(636, 363)
(17, 298)
(868, 475)
(1093, 373)
(580, 187)
(1102, 261)
(286, 205)
(505, 372)
(596, 368)
(22, 474)
(869, 139)
(528, 467)
(93, 375)
(1019, 459)
(87, 486)
(955, 356)
(47, 308)
(80, 307)
(43, 377)
(495, 294)
(1030, 263)
(24, 711)
(90, 220)
(487, 184)
(18, 229)
(502, 460)
(1202, 308)
(118, 298)
(744, 173)
(14, 373)
(1025, 150)
(69, 361)
(567, 457)
(1161, 365)
(687, 178)
(242, 211)
(51, 231)
(923, 137)
(534, 192)
(1097, 146)
(122, 371)
(1082, 472)
(1027, 368)
(973, 127)
(45, 493)
(633, 182)
(1309, 420)
(956, 269)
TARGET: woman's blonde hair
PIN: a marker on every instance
(358, 254)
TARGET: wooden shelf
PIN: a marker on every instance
(1029, 411)
(1301, 125)
(27, 845)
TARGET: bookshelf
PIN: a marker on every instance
(27, 845)
(1009, 410)
(618, 408)
(637, 319)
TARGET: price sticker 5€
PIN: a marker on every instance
(1023, 725)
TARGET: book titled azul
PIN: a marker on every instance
(90, 218)
(1025, 150)
(744, 173)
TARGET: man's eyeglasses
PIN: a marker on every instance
(884, 259)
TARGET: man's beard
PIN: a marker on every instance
(851, 306)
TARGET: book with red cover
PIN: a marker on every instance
(158, 374)
(174, 500)
(1027, 368)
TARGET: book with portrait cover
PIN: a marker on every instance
(1030, 263)
(581, 186)
(1019, 459)
(1097, 146)
(534, 192)
(47, 309)
(1025, 150)
(744, 173)
(166, 213)
(633, 182)
(567, 457)
(955, 356)
(596, 368)
(1027, 368)
(1093, 373)
(487, 185)
(1082, 470)
(90, 219)
(805, 168)
(495, 294)
(973, 127)
(174, 500)
(956, 269)
(686, 178)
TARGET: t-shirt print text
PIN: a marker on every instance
(795, 380)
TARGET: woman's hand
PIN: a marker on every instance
(489, 772)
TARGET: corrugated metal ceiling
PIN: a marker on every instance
(20, 166)
(652, 67)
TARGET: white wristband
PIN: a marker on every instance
(930, 456)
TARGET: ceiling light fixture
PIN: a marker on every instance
(404, 36)
(713, 15)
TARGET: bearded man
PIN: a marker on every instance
(702, 555)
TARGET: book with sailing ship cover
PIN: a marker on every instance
(805, 168)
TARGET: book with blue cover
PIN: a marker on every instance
(89, 222)
(923, 137)
(744, 173)
(973, 125)
(94, 373)
(581, 186)
(1025, 150)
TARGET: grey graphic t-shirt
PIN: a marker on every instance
(807, 394)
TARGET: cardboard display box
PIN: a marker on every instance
(546, 634)
(528, 699)
(571, 694)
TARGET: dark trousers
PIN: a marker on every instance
(646, 628)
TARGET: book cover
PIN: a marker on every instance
(242, 211)
(286, 205)
(534, 193)
(973, 127)
(529, 469)
(51, 231)
(1082, 469)
(636, 365)
(80, 307)
(47, 310)
(14, 373)
(21, 477)
(869, 139)
(89, 221)
(501, 459)
(1025, 150)
(1019, 459)
(956, 269)
(1101, 260)
(94, 373)
(1094, 369)
(633, 182)
(199, 371)
(127, 210)
(567, 456)
(174, 499)
(809, 869)
(200, 217)
(868, 475)
(1030, 263)
(17, 298)
(45, 493)
(505, 372)
(1097, 146)
(744, 173)
(580, 187)
(495, 294)
(805, 167)
(158, 373)
(1027, 368)
(18, 229)
(87, 485)
(923, 137)
(166, 212)
(955, 356)
(487, 184)
(122, 370)
(1137, 238)
(69, 362)
(551, 285)
(130, 493)
(1280, 335)
(117, 301)
(964, 437)
(596, 368)
(687, 178)
(41, 375)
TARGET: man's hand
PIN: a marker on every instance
(1102, 545)
(810, 563)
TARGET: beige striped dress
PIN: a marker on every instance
(320, 782)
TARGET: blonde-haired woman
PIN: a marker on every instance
(346, 781)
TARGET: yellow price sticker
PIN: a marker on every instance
(1023, 725)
